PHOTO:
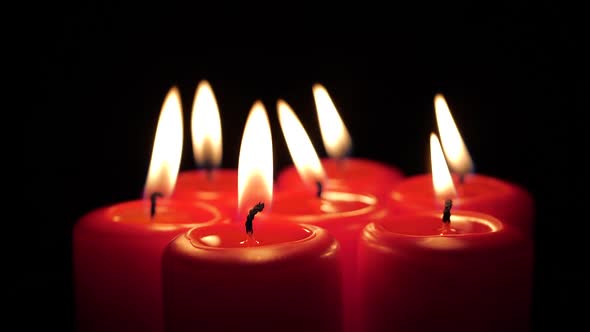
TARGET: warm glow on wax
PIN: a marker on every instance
(206, 127)
(441, 177)
(304, 156)
(455, 150)
(334, 133)
(255, 163)
(167, 149)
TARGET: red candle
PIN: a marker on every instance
(117, 249)
(342, 213)
(343, 173)
(270, 276)
(208, 183)
(476, 276)
(465, 271)
(508, 201)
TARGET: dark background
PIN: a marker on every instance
(512, 75)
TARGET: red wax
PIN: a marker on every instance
(117, 268)
(350, 174)
(475, 277)
(288, 281)
(344, 215)
(506, 201)
(218, 187)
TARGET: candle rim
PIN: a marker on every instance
(108, 214)
(373, 207)
(195, 242)
(502, 188)
(319, 245)
(506, 237)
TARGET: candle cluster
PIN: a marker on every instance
(336, 244)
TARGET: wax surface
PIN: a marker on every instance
(351, 174)
(344, 215)
(216, 278)
(116, 258)
(416, 276)
(506, 201)
(218, 187)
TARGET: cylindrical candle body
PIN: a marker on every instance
(218, 187)
(412, 278)
(344, 215)
(350, 174)
(117, 253)
(508, 202)
(289, 281)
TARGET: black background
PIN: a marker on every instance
(512, 75)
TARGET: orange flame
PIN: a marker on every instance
(167, 149)
(255, 162)
(441, 177)
(206, 127)
(335, 136)
(455, 150)
(304, 156)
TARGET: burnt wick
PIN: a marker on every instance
(320, 189)
(446, 218)
(153, 198)
(250, 218)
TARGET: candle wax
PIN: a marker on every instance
(344, 215)
(506, 201)
(416, 274)
(116, 258)
(218, 187)
(285, 278)
(350, 174)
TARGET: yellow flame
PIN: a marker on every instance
(455, 150)
(167, 149)
(255, 162)
(304, 156)
(334, 133)
(441, 177)
(206, 127)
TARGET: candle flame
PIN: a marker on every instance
(206, 127)
(304, 156)
(255, 162)
(441, 177)
(455, 150)
(335, 136)
(167, 149)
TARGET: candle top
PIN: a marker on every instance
(226, 236)
(303, 206)
(476, 187)
(430, 224)
(425, 232)
(228, 243)
(169, 215)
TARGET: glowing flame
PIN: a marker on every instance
(255, 163)
(304, 156)
(167, 149)
(455, 150)
(441, 177)
(206, 127)
(334, 133)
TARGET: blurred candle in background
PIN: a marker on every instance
(208, 183)
(117, 249)
(343, 212)
(343, 172)
(507, 201)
